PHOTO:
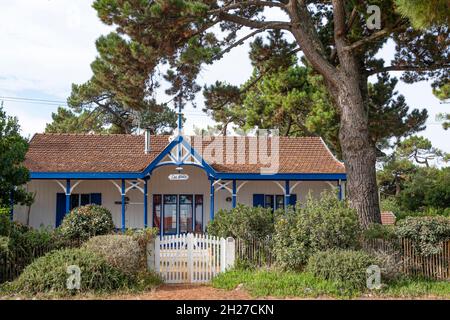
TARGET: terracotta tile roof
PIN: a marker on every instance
(125, 153)
(388, 218)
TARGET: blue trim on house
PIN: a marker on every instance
(123, 205)
(287, 194)
(217, 175)
(234, 194)
(283, 176)
(211, 200)
(199, 158)
(145, 203)
(204, 165)
(161, 156)
(68, 196)
(85, 175)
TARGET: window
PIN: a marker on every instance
(198, 213)
(157, 211)
(186, 213)
(85, 199)
(268, 201)
(180, 213)
(170, 214)
(273, 201)
(279, 203)
(78, 200)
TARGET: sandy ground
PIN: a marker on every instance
(188, 292)
(201, 292)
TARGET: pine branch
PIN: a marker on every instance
(409, 68)
(254, 24)
(241, 5)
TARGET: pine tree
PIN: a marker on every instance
(335, 38)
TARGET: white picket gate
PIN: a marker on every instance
(190, 258)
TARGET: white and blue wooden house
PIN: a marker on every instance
(165, 181)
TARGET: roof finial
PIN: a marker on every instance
(180, 119)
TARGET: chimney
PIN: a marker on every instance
(147, 141)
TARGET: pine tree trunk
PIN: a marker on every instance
(358, 152)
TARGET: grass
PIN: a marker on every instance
(414, 288)
(142, 282)
(305, 285)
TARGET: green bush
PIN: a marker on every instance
(243, 222)
(120, 251)
(321, 224)
(49, 273)
(391, 204)
(348, 267)
(426, 233)
(379, 231)
(85, 222)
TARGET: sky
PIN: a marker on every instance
(46, 45)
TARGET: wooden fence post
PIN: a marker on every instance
(230, 253)
(150, 251)
(157, 253)
(223, 253)
(190, 258)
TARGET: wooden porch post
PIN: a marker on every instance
(287, 194)
(211, 202)
(340, 189)
(68, 192)
(123, 205)
(145, 202)
(234, 195)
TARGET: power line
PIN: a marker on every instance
(38, 103)
(32, 99)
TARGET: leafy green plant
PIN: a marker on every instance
(120, 251)
(321, 224)
(379, 231)
(247, 223)
(85, 222)
(347, 267)
(49, 273)
(426, 233)
(304, 284)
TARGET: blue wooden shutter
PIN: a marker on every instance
(258, 200)
(96, 198)
(293, 199)
(60, 208)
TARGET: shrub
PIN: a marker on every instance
(390, 264)
(391, 204)
(49, 273)
(120, 251)
(5, 221)
(243, 222)
(426, 233)
(347, 267)
(379, 231)
(4, 245)
(88, 221)
(319, 225)
(142, 236)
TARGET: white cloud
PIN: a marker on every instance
(49, 44)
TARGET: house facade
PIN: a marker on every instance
(175, 183)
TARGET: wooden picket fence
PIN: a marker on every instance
(13, 262)
(190, 258)
(257, 253)
(436, 266)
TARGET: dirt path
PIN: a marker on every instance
(188, 292)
